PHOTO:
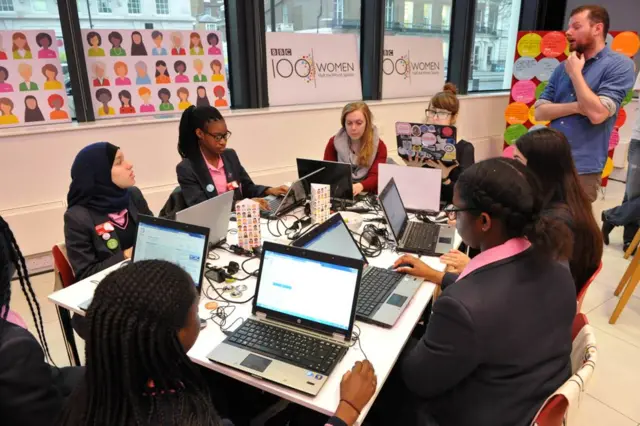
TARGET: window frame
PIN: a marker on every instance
(164, 2)
(102, 9)
(7, 6)
(139, 7)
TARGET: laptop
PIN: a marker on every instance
(182, 244)
(384, 293)
(337, 175)
(427, 239)
(427, 141)
(302, 322)
(419, 186)
(213, 214)
(295, 196)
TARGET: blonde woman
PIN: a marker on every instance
(358, 144)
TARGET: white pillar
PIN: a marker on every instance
(511, 44)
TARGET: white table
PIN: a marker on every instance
(382, 346)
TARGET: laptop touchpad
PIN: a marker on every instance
(397, 300)
(255, 362)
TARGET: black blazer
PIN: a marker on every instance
(194, 178)
(28, 392)
(87, 251)
(498, 343)
(465, 156)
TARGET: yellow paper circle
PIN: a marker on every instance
(532, 117)
(529, 45)
(608, 168)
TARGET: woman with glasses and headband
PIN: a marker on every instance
(443, 110)
(208, 168)
(358, 143)
(498, 342)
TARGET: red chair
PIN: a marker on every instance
(64, 278)
(561, 406)
(583, 291)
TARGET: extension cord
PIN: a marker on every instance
(372, 239)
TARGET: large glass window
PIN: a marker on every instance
(313, 16)
(495, 35)
(6, 6)
(162, 7)
(134, 7)
(104, 6)
(427, 18)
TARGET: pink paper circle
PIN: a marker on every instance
(508, 151)
(524, 91)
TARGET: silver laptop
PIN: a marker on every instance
(419, 186)
(428, 239)
(384, 293)
(213, 214)
(182, 244)
(302, 322)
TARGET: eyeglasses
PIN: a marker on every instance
(452, 211)
(441, 115)
(218, 137)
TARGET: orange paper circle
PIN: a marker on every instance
(516, 113)
(553, 44)
(626, 43)
(622, 118)
(608, 168)
(529, 45)
(532, 117)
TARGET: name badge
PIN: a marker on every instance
(103, 228)
(232, 185)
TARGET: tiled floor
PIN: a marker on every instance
(611, 399)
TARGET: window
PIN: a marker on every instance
(162, 7)
(6, 5)
(313, 16)
(428, 9)
(445, 16)
(495, 34)
(104, 6)
(134, 7)
(408, 14)
(39, 5)
(434, 22)
(211, 27)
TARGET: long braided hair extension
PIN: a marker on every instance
(11, 259)
(505, 189)
(137, 370)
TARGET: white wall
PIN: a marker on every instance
(35, 162)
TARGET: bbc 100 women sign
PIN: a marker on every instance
(148, 72)
(312, 68)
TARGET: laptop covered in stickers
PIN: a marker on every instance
(427, 141)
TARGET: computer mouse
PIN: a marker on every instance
(402, 265)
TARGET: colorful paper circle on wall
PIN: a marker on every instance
(622, 118)
(566, 49)
(508, 151)
(553, 44)
(529, 45)
(525, 68)
(546, 67)
(514, 132)
(614, 140)
(516, 113)
(627, 98)
(540, 89)
(532, 117)
(537, 127)
(524, 91)
(608, 168)
(626, 43)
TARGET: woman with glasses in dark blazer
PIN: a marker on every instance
(208, 168)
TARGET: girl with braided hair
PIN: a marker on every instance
(498, 342)
(143, 320)
(32, 392)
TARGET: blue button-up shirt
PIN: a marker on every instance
(609, 75)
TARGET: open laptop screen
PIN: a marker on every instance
(335, 239)
(312, 290)
(180, 247)
(393, 208)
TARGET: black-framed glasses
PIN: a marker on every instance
(440, 115)
(452, 211)
(219, 136)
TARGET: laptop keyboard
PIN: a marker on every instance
(275, 203)
(421, 236)
(375, 285)
(294, 348)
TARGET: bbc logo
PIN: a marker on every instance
(281, 52)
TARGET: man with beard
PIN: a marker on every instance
(584, 93)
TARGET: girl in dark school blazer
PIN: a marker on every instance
(208, 168)
(101, 220)
(498, 342)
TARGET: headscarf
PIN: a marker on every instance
(91, 184)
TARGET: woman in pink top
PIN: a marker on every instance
(213, 41)
(180, 68)
(121, 69)
(45, 42)
(145, 95)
